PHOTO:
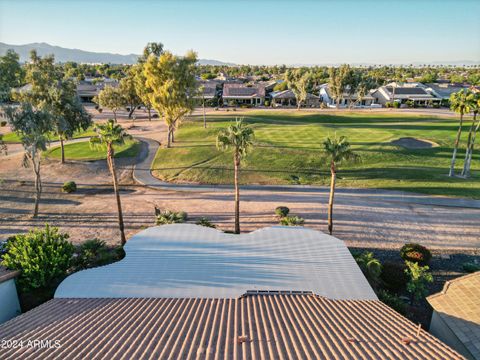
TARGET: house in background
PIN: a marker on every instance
(241, 94)
(209, 92)
(456, 315)
(348, 100)
(287, 98)
(416, 93)
(185, 291)
(9, 305)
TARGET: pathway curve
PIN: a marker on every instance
(143, 175)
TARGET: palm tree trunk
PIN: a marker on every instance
(467, 150)
(330, 199)
(111, 165)
(62, 148)
(38, 187)
(455, 147)
(470, 151)
(236, 161)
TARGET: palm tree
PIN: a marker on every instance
(239, 137)
(460, 102)
(472, 134)
(337, 151)
(108, 135)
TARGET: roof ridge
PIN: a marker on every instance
(447, 284)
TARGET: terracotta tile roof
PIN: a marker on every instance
(458, 304)
(251, 327)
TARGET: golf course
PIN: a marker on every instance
(397, 152)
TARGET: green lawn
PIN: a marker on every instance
(288, 147)
(13, 137)
(83, 151)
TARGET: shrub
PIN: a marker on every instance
(203, 221)
(69, 187)
(371, 267)
(396, 104)
(267, 103)
(90, 254)
(393, 275)
(169, 217)
(292, 221)
(416, 253)
(419, 278)
(392, 301)
(42, 255)
(282, 211)
(3, 123)
(100, 110)
(388, 104)
(471, 267)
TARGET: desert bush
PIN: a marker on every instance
(388, 104)
(396, 104)
(282, 211)
(267, 103)
(42, 255)
(418, 279)
(292, 221)
(392, 301)
(416, 253)
(69, 187)
(393, 275)
(203, 221)
(370, 266)
(471, 267)
(164, 217)
(94, 253)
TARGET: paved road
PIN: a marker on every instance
(143, 175)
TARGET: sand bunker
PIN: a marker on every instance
(413, 143)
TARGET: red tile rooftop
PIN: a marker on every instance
(256, 326)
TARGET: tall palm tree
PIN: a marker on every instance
(238, 137)
(108, 135)
(472, 134)
(460, 102)
(337, 150)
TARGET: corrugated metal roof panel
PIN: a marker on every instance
(251, 327)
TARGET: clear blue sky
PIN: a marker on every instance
(256, 32)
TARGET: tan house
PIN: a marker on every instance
(241, 94)
(456, 315)
(287, 98)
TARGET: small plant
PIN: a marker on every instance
(42, 255)
(416, 253)
(292, 221)
(419, 278)
(100, 110)
(3, 123)
(396, 104)
(69, 187)
(282, 211)
(92, 253)
(471, 267)
(169, 217)
(203, 221)
(370, 266)
(392, 301)
(393, 275)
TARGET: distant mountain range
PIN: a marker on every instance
(81, 56)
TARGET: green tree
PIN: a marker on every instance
(298, 81)
(239, 138)
(419, 278)
(32, 126)
(67, 112)
(173, 86)
(337, 151)
(338, 81)
(108, 136)
(472, 134)
(11, 74)
(110, 97)
(460, 102)
(141, 88)
(128, 90)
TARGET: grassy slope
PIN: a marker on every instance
(13, 137)
(83, 151)
(288, 152)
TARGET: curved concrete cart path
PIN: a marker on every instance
(143, 175)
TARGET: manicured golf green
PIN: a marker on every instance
(12, 137)
(288, 151)
(83, 151)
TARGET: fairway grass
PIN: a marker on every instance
(288, 151)
(11, 137)
(84, 152)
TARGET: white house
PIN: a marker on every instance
(356, 100)
(416, 93)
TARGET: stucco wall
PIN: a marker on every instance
(9, 305)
